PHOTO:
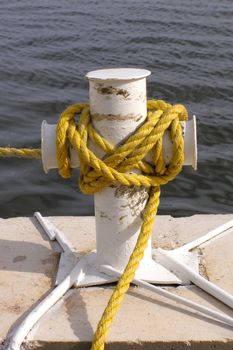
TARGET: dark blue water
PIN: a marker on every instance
(46, 48)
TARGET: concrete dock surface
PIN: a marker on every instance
(28, 266)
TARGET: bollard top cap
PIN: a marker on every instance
(118, 74)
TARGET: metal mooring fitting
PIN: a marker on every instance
(118, 105)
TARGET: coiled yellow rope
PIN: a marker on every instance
(95, 174)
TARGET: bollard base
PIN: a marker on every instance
(88, 271)
(28, 267)
(154, 272)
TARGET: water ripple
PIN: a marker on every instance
(46, 48)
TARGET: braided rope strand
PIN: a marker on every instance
(9, 152)
(129, 272)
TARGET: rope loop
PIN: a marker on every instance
(96, 173)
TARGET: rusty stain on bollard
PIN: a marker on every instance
(102, 214)
(116, 117)
(135, 195)
(110, 90)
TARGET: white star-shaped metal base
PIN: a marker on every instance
(153, 272)
(177, 266)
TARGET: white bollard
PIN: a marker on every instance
(118, 105)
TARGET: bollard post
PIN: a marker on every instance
(118, 106)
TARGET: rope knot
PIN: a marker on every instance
(98, 173)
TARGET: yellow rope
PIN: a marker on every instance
(95, 174)
(7, 152)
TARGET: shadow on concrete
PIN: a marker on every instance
(25, 256)
(181, 309)
(211, 300)
(77, 315)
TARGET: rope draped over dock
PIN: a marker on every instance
(117, 166)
